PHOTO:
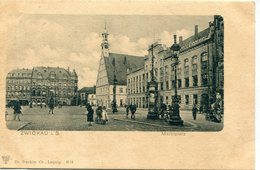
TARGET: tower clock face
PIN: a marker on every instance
(106, 46)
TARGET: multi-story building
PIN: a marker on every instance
(138, 80)
(136, 87)
(87, 95)
(41, 83)
(18, 85)
(113, 66)
(200, 72)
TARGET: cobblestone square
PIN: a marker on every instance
(73, 118)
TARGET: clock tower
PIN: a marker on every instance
(105, 44)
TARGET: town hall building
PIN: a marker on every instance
(112, 72)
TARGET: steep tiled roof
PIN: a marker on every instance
(60, 73)
(89, 90)
(122, 63)
(192, 41)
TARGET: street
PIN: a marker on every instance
(73, 118)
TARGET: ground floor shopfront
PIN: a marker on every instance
(187, 97)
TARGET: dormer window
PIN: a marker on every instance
(52, 75)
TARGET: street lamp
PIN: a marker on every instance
(175, 118)
(114, 107)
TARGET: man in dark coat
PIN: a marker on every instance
(194, 111)
(51, 105)
(90, 115)
(127, 110)
(133, 110)
(17, 110)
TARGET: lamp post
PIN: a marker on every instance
(114, 107)
(175, 118)
(152, 94)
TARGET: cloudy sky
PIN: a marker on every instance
(74, 40)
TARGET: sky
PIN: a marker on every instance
(74, 40)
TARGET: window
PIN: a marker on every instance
(173, 82)
(195, 99)
(167, 85)
(179, 83)
(161, 85)
(195, 80)
(166, 70)
(186, 65)
(186, 99)
(121, 90)
(187, 82)
(39, 75)
(194, 66)
(186, 62)
(161, 71)
(179, 97)
(194, 59)
(204, 56)
(121, 102)
(204, 79)
(167, 100)
(179, 69)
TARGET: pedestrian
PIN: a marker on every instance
(17, 110)
(133, 110)
(51, 105)
(90, 115)
(99, 113)
(194, 111)
(104, 114)
(127, 110)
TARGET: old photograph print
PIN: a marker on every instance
(116, 73)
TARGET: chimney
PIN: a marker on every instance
(180, 39)
(196, 31)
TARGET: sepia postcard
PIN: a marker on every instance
(127, 84)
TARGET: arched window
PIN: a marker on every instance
(33, 92)
(194, 62)
(204, 60)
(204, 56)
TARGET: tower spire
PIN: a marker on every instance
(105, 44)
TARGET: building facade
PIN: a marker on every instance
(87, 95)
(136, 87)
(42, 83)
(200, 72)
(92, 99)
(18, 85)
(112, 72)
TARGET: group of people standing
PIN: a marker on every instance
(132, 109)
(101, 115)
